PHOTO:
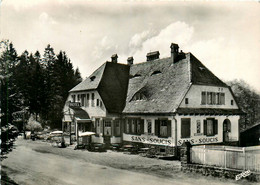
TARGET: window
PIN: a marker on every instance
(149, 126)
(212, 98)
(203, 98)
(185, 127)
(127, 126)
(186, 100)
(163, 128)
(232, 102)
(83, 99)
(92, 99)
(133, 126)
(222, 98)
(116, 128)
(218, 98)
(209, 98)
(101, 104)
(97, 102)
(210, 127)
(78, 97)
(138, 96)
(73, 98)
(198, 126)
(87, 102)
(138, 129)
(107, 128)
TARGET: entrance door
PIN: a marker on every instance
(226, 130)
(107, 132)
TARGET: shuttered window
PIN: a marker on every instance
(185, 127)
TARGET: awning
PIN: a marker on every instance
(86, 134)
(80, 114)
(57, 132)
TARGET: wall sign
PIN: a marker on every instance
(148, 140)
(203, 140)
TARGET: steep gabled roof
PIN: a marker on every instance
(91, 82)
(111, 81)
(164, 83)
(200, 75)
(161, 81)
(113, 86)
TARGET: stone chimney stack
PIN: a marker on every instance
(114, 58)
(152, 55)
(174, 51)
(130, 61)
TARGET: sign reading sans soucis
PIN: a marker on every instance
(243, 174)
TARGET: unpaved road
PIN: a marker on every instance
(35, 162)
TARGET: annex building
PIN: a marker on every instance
(157, 104)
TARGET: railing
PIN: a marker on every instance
(228, 157)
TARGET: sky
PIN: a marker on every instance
(224, 36)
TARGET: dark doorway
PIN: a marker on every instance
(226, 130)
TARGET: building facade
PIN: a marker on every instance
(159, 104)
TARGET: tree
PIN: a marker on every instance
(248, 100)
(8, 94)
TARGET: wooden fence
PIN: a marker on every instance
(228, 157)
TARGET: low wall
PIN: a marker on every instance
(218, 172)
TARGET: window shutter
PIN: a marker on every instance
(169, 128)
(157, 124)
(205, 127)
(142, 126)
(215, 126)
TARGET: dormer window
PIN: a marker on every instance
(136, 75)
(138, 96)
(156, 72)
(92, 78)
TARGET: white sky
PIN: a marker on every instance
(225, 36)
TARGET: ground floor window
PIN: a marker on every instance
(185, 127)
(127, 127)
(163, 128)
(210, 127)
(134, 126)
(149, 126)
(107, 127)
(198, 126)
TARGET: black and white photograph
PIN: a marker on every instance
(129, 92)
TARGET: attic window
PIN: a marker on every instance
(156, 72)
(92, 78)
(138, 96)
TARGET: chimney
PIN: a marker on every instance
(130, 61)
(153, 55)
(114, 58)
(174, 51)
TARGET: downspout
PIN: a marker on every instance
(175, 134)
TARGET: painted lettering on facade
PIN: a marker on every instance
(204, 140)
(148, 140)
